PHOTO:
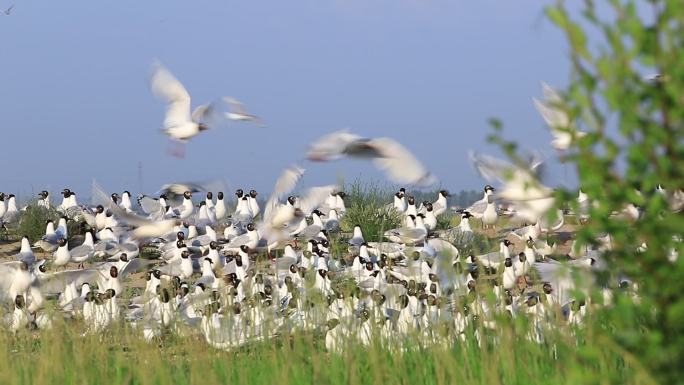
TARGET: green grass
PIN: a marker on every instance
(367, 207)
(33, 222)
(120, 357)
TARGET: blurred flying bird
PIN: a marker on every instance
(238, 113)
(179, 123)
(388, 155)
(521, 185)
(564, 132)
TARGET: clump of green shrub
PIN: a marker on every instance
(370, 206)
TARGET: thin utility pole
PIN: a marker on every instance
(140, 178)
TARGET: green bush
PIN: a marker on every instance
(33, 220)
(634, 141)
(370, 207)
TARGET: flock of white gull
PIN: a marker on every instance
(237, 271)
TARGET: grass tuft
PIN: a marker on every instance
(367, 207)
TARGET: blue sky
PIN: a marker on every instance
(75, 103)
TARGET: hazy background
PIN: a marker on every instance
(75, 103)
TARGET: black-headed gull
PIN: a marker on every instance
(8, 11)
(388, 155)
(238, 113)
(521, 185)
(179, 123)
(551, 110)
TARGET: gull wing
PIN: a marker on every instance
(284, 185)
(309, 232)
(54, 283)
(202, 112)
(7, 276)
(284, 263)
(166, 87)
(173, 268)
(81, 251)
(550, 94)
(235, 105)
(314, 197)
(130, 218)
(399, 164)
(553, 117)
(564, 278)
(332, 146)
(135, 265)
(88, 217)
(149, 205)
(490, 259)
(98, 196)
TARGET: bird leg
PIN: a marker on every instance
(178, 150)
